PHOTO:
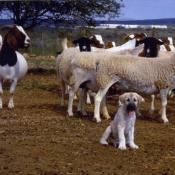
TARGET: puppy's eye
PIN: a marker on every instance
(134, 100)
(128, 100)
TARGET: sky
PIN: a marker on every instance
(148, 9)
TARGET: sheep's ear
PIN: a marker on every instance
(140, 98)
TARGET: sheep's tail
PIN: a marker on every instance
(64, 44)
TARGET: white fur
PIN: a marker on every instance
(99, 38)
(68, 64)
(122, 129)
(128, 45)
(27, 39)
(13, 74)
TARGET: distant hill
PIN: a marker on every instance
(167, 21)
(5, 21)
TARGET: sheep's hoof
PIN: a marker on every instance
(108, 117)
(10, 105)
(1, 106)
(88, 103)
(166, 122)
(98, 120)
(84, 113)
(70, 114)
(151, 111)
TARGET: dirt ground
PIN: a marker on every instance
(38, 138)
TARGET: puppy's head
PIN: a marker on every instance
(131, 101)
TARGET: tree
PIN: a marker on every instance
(31, 13)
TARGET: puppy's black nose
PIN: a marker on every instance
(131, 107)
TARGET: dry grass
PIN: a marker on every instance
(38, 138)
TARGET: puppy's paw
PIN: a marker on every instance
(133, 146)
(103, 142)
(122, 147)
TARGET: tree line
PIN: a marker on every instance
(32, 13)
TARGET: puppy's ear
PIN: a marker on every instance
(122, 99)
(140, 98)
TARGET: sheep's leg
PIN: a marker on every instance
(82, 101)
(67, 92)
(62, 92)
(98, 98)
(88, 99)
(104, 109)
(70, 103)
(72, 92)
(1, 93)
(62, 84)
(163, 95)
(152, 108)
(12, 90)
(67, 89)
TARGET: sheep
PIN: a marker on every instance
(13, 65)
(131, 44)
(92, 66)
(64, 64)
(83, 72)
(98, 38)
(70, 57)
(150, 46)
(110, 44)
(85, 43)
(144, 75)
(168, 44)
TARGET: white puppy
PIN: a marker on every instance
(124, 121)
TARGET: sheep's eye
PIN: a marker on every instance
(128, 100)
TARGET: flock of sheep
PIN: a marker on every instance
(143, 65)
(93, 73)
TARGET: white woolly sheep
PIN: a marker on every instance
(144, 75)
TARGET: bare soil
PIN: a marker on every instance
(38, 138)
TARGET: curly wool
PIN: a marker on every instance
(63, 62)
(139, 70)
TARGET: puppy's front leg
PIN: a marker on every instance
(131, 138)
(121, 136)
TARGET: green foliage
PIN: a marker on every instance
(32, 13)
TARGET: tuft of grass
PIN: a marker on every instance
(39, 86)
